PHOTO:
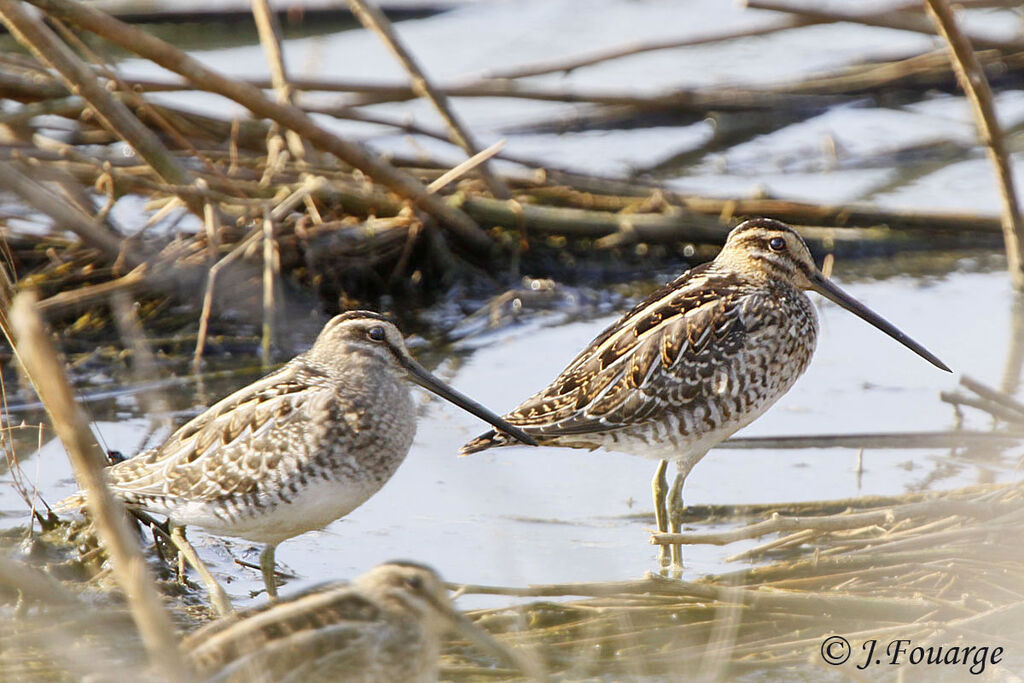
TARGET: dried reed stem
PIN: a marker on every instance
(896, 18)
(270, 37)
(144, 368)
(134, 40)
(80, 79)
(975, 84)
(374, 20)
(459, 170)
(950, 439)
(40, 360)
(62, 212)
(567, 64)
(271, 266)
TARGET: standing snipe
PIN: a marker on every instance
(297, 449)
(694, 362)
(384, 626)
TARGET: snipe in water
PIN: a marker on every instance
(384, 626)
(295, 450)
(696, 361)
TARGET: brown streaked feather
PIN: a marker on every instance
(211, 457)
(614, 382)
(245, 634)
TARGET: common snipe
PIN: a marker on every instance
(384, 626)
(295, 450)
(694, 362)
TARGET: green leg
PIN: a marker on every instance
(267, 567)
(659, 485)
(218, 598)
(675, 517)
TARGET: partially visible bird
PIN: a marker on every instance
(694, 362)
(295, 450)
(384, 626)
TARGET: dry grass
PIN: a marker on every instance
(947, 570)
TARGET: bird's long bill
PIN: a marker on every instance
(426, 380)
(838, 296)
(531, 666)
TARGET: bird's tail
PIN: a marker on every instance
(490, 439)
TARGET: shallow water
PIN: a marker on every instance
(519, 516)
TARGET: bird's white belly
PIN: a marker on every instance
(315, 506)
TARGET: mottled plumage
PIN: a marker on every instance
(384, 626)
(695, 361)
(297, 449)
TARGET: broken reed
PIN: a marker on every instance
(372, 220)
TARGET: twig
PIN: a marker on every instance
(795, 538)
(992, 394)
(218, 597)
(211, 223)
(80, 79)
(211, 280)
(270, 37)
(775, 524)
(66, 215)
(131, 97)
(839, 522)
(580, 223)
(374, 20)
(1014, 348)
(39, 357)
(568, 64)
(975, 84)
(173, 59)
(848, 215)
(900, 20)
(991, 407)
(456, 172)
(800, 603)
(271, 266)
(144, 369)
(953, 439)
(62, 302)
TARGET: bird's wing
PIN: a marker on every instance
(213, 453)
(662, 353)
(322, 622)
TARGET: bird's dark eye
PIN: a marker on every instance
(376, 333)
(415, 583)
(776, 244)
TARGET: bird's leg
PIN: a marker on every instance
(675, 516)
(218, 598)
(267, 567)
(179, 565)
(660, 487)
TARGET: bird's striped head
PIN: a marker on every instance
(417, 588)
(416, 582)
(764, 250)
(367, 336)
(363, 333)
